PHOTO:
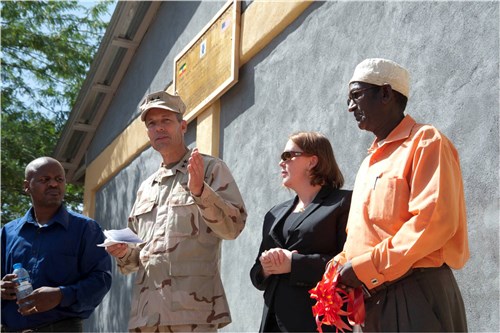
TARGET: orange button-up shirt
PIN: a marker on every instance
(408, 206)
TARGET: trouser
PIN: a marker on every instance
(65, 325)
(274, 324)
(176, 328)
(427, 300)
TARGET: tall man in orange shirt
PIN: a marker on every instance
(407, 223)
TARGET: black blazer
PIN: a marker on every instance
(318, 235)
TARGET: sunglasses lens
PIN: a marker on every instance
(285, 156)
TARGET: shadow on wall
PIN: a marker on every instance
(113, 204)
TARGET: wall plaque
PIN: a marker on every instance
(208, 65)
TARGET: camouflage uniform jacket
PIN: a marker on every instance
(178, 266)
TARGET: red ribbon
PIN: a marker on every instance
(330, 299)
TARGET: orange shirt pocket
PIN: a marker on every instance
(388, 202)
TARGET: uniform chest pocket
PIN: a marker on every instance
(144, 208)
(183, 219)
(145, 216)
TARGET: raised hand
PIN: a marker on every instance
(195, 170)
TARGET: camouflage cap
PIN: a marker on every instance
(162, 100)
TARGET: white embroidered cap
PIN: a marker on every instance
(379, 71)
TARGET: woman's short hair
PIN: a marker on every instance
(326, 170)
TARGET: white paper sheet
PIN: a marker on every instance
(117, 236)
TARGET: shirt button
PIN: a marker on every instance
(374, 281)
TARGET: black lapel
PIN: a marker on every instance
(317, 201)
(279, 217)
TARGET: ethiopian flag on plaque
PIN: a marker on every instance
(182, 69)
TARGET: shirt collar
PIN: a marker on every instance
(400, 132)
(61, 217)
(180, 166)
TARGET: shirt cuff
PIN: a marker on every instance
(366, 271)
(339, 258)
(204, 197)
(260, 278)
(124, 260)
(68, 296)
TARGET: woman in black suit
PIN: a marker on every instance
(301, 235)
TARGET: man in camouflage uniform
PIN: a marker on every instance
(182, 212)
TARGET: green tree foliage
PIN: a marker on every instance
(47, 49)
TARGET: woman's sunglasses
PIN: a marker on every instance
(287, 155)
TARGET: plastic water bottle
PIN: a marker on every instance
(24, 287)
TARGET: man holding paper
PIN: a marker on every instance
(182, 212)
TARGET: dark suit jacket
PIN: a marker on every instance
(318, 235)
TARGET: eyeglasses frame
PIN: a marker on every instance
(349, 99)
